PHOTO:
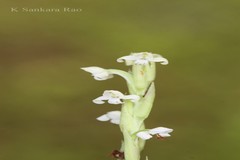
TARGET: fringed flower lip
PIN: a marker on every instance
(112, 116)
(159, 132)
(115, 97)
(98, 73)
(142, 58)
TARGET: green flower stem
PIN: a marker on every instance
(132, 121)
(128, 126)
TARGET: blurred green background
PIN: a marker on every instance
(46, 109)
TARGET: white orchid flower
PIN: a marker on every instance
(115, 97)
(160, 132)
(98, 73)
(143, 58)
(113, 117)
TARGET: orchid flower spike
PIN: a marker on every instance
(115, 97)
(98, 73)
(160, 132)
(113, 117)
(142, 58)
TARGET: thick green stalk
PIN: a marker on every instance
(128, 126)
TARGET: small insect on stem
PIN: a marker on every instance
(117, 154)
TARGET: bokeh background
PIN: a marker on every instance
(46, 109)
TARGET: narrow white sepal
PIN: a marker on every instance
(126, 58)
(164, 135)
(114, 101)
(144, 135)
(160, 130)
(115, 121)
(98, 73)
(113, 117)
(99, 100)
(103, 118)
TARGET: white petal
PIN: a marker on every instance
(159, 58)
(144, 135)
(103, 76)
(100, 78)
(103, 118)
(164, 134)
(98, 73)
(126, 58)
(93, 69)
(117, 93)
(163, 61)
(129, 63)
(107, 94)
(114, 115)
(112, 93)
(99, 100)
(160, 130)
(132, 97)
(115, 121)
(114, 101)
